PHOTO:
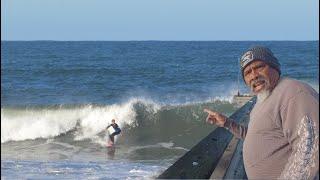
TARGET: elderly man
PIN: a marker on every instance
(282, 138)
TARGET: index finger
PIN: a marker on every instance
(209, 111)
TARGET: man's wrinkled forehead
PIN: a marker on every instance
(254, 63)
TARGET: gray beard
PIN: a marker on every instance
(262, 96)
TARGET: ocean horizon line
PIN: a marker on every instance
(159, 40)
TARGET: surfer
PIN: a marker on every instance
(116, 128)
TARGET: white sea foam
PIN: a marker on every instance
(166, 145)
(23, 124)
(225, 93)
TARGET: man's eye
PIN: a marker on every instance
(260, 66)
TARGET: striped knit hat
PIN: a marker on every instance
(259, 53)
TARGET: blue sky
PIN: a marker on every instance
(159, 20)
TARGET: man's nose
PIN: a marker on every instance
(254, 74)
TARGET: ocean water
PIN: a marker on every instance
(57, 98)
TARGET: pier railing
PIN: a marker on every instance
(217, 156)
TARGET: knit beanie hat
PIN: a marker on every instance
(259, 53)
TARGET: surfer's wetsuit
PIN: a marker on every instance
(117, 131)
